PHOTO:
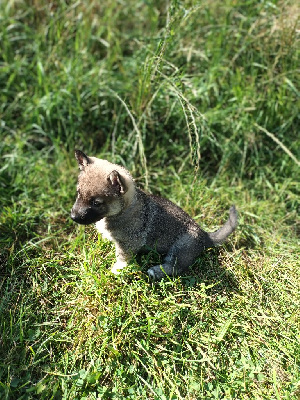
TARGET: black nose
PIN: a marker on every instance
(75, 216)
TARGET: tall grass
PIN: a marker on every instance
(200, 100)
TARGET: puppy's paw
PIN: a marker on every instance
(156, 273)
(118, 266)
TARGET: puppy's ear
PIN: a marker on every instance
(116, 181)
(82, 159)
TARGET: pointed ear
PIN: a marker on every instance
(82, 159)
(116, 181)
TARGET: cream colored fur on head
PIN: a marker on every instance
(106, 168)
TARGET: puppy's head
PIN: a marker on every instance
(103, 190)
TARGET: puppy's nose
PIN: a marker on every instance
(75, 217)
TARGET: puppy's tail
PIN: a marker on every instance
(219, 236)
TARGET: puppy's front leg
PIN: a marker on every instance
(122, 261)
(118, 266)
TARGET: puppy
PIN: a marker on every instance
(136, 221)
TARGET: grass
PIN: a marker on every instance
(200, 101)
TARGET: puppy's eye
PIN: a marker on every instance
(97, 202)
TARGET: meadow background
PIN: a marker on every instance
(200, 101)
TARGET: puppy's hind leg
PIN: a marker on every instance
(181, 255)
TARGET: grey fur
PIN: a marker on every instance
(136, 221)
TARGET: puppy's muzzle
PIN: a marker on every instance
(85, 215)
(79, 216)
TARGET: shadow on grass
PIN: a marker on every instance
(211, 270)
